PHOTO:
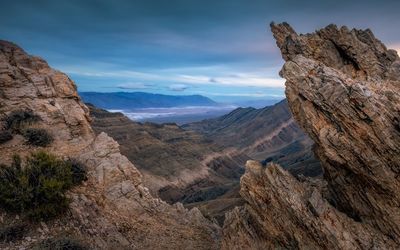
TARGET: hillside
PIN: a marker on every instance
(187, 166)
(177, 165)
(266, 134)
(131, 100)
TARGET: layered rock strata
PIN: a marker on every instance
(343, 89)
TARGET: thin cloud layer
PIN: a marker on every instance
(178, 87)
(211, 46)
(135, 85)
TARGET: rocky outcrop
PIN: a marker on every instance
(343, 89)
(112, 209)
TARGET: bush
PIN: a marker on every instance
(38, 137)
(36, 190)
(78, 171)
(16, 120)
(12, 232)
(5, 136)
(61, 243)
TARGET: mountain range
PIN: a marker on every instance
(65, 183)
(265, 134)
(132, 100)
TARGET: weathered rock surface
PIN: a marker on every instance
(113, 209)
(343, 89)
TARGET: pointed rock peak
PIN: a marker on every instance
(356, 53)
(281, 32)
(342, 87)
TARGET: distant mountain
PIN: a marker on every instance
(266, 134)
(130, 100)
(257, 103)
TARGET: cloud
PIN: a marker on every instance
(217, 77)
(178, 87)
(258, 94)
(109, 73)
(248, 80)
(213, 80)
(135, 85)
(251, 81)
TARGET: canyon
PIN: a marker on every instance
(121, 205)
(321, 167)
(198, 168)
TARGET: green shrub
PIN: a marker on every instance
(78, 171)
(5, 136)
(16, 120)
(61, 243)
(37, 137)
(37, 189)
(12, 232)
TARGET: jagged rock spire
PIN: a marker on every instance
(343, 88)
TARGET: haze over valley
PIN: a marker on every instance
(204, 125)
(142, 107)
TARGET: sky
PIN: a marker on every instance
(222, 49)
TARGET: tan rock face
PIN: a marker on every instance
(283, 212)
(27, 82)
(343, 89)
(112, 210)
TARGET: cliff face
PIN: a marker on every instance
(343, 89)
(112, 209)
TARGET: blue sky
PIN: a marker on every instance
(220, 49)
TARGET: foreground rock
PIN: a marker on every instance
(113, 209)
(343, 89)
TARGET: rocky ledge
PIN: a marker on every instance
(343, 88)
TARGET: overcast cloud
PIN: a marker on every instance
(179, 46)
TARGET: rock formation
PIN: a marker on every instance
(343, 89)
(113, 209)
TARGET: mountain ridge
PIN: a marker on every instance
(130, 100)
(265, 134)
